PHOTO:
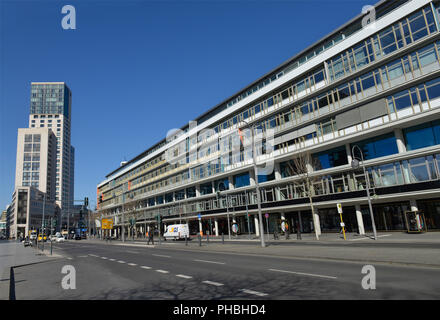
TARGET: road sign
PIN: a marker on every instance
(235, 228)
(107, 224)
(339, 206)
(266, 215)
(199, 216)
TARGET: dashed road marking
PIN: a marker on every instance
(145, 267)
(105, 258)
(256, 293)
(161, 255)
(93, 255)
(217, 284)
(304, 274)
(162, 271)
(183, 276)
(132, 264)
(210, 261)
(112, 259)
(120, 261)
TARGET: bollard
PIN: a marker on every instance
(186, 240)
(298, 232)
(223, 238)
(51, 247)
(11, 284)
(200, 240)
(207, 237)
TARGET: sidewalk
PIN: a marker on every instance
(396, 248)
(13, 253)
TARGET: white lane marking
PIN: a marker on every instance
(367, 238)
(69, 258)
(209, 261)
(256, 293)
(213, 283)
(183, 276)
(145, 267)
(104, 258)
(162, 271)
(161, 255)
(132, 264)
(112, 259)
(304, 274)
(120, 261)
(93, 255)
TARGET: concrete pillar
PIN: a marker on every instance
(277, 171)
(360, 220)
(231, 182)
(413, 205)
(316, 223)
(309, 164)
(400, 140)
(348, 151)
(257, 227)
(252, 178)
(216, 227)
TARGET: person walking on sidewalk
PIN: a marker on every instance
(151, 236)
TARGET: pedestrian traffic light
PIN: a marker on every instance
(86, 202)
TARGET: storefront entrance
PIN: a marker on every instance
(431, 210)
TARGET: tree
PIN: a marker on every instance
(301, 166)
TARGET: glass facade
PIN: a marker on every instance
(424, 135)
(376, 147)
(329, 159)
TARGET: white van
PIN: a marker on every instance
(176, 231)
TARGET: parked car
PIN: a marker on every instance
(33, 235)
(60, 238)
(77, 237)
(52, 237)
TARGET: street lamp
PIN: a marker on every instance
(227, 206)
(257, 186)
(355, 165)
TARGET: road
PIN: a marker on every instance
(185, 273)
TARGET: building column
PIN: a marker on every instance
(231, 182)
(348, 151)
(252, 178)
(216, 227)
(413, 205)
(360, 220)
(198, 190)
(277, 171)
(316, 223)
(400, 140)
(257, 228)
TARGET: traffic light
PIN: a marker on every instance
(86, 202)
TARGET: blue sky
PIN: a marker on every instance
(139, 68)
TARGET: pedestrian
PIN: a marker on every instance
(150, 237)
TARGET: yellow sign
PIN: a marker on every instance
(107, 224)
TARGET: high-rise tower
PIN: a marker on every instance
(51, 108)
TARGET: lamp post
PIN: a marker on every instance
(257, 186)
(227, 207)
(355, 165)
(43, 224)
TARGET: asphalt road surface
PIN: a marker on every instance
(178, 272)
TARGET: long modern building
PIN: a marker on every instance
(367, 91)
